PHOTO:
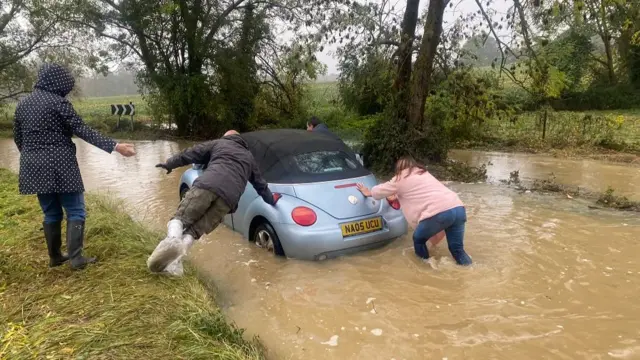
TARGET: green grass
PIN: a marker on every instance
(114, 309)
(615, 130)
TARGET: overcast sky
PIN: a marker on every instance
(460, 9)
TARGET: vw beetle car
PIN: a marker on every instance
(319, 212)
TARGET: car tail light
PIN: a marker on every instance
(394, 204)
(304, 216)
(276, 197)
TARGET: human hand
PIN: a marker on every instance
(126, 150)
(392, 198)
(164, 166)
(364, 190)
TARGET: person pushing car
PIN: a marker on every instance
(214, 194)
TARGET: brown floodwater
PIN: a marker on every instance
(588, 174)
(552, 279)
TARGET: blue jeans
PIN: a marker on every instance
(452, 222)
(52, 204)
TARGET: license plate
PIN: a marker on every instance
(361, 227)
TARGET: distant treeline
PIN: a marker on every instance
(121, 83)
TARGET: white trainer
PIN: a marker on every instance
(176, 267)
(167, 251)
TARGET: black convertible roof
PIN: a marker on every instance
(274, 150)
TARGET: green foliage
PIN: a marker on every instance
(365, 86)
(620, 96)
(184, 100)
(208, 66)
(387, 139)
(633, 62)
(283, 100)
(382, 145)
(567, 55)
(464, 101)
(238, 70)
(615, 131)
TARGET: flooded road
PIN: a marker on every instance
(590, 174)
(552, 279)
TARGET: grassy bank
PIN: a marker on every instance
(113, 310)
(579, 133)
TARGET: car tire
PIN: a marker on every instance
(183, 192)
(266, 230)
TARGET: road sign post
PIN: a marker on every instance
(123, 109)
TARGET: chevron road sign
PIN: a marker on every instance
(126, 109)
(123, 109)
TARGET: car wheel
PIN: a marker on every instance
(266, 238)
(183, 192)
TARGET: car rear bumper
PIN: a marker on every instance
(317, 244)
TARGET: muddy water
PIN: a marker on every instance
(590, 174)
(551, 280)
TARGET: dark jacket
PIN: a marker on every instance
(230, 166)
(43, 127)
(323, 128)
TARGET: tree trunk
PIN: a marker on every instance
(609, 51)
(405, 51)
(423, 69)
(605, 34)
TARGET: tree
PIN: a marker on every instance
(238, 71)
(285, 72)
(376, 30)
(365, 86)
(27, 30)
(423, 70)
(182, 50)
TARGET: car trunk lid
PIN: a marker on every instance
(341, 198)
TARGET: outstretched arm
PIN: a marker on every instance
(379, 192)
(261, 186)
(384, 190)
(198, 154)
(82, 130)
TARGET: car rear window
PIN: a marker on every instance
(325, 162)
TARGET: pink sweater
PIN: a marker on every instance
(421, 196)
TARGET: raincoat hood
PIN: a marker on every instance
(56, 79)
(237, 139)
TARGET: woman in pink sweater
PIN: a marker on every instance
(429, 206)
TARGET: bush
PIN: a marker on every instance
(388, 138)
(463, 102)
(622, 96)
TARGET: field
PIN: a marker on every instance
(610, 130)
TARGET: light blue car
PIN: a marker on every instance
(319, 212)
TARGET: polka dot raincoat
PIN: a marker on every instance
(45, 122)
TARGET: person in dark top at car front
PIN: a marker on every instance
(317, 126)
(215, 193)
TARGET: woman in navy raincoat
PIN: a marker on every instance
(45, 122)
